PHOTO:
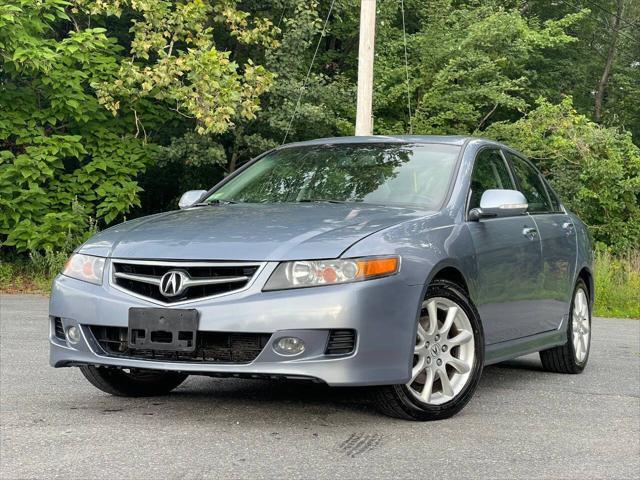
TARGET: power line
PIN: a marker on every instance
(619, 17)
(406, 68)
(620, 32)
(304, 85)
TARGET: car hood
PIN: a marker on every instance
(247, 232)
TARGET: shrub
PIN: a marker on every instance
(596, 170)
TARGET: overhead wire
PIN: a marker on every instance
(619, 17)
(304, 84)
(406, 68)
(620, 32)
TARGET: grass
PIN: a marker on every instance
(617, 284)
(617, 280)
(33, 274)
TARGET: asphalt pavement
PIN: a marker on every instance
(522, 422)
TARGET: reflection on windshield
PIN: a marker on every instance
(385, 174)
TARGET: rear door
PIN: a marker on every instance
(508, 258)
(558, 237)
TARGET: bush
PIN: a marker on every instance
(49, 263)
(596, 170)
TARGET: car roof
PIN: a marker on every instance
(457, 140)
(442, 139)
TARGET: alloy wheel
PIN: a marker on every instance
(444, 353)
(581, 327)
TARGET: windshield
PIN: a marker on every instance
(384, 174)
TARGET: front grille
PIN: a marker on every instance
(58, 329)
(341, 342)
(211, 347)
(199, 279)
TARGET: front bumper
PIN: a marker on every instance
(382, 312)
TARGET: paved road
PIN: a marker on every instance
(522, 423)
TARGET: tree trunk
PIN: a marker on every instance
(606, 73)
(235, 150)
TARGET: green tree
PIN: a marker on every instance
(326, 107)
(595, 169)
(601, 71)
(469, 64)
(65, 157)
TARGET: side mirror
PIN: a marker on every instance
(500, 203)
(189, 198)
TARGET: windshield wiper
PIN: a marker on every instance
(319, 200)
(215, 201)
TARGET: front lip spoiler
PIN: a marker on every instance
(255, 376)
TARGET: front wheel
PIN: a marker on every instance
(132, 383)
(447, 361)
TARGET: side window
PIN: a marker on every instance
(531, 185)
(489, 172)
(555, 201)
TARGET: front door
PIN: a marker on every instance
(508, 256)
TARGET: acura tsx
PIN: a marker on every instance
(405, 264)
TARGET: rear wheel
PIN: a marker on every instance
(572, 356)
(132, 382)
(447, 360)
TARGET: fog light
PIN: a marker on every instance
(73, 334)
(289, 346)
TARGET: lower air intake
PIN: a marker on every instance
(211, 347)
(341, 342)
(58, 329)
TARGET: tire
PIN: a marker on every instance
(568, 358)
(408, 401)
(136, 383)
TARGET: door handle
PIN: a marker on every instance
(530, 232)
(568, 227)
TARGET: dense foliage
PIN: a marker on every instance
(80, 105)
(595, 169)
(112, 108)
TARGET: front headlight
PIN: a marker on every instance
(85, 267)
(313, 273)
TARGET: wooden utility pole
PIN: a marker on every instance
(364, 114)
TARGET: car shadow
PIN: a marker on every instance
(302, 402)
(529, 362)
(282, 394)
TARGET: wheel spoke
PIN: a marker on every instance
(577, 345)
(447, 389)
(428, 386)
(417, 370)
(583, 344)
(432, 309)
(446, 326)
(580, 300)
(459, 365)
(422, 334)
(461, 338)
(585, 310)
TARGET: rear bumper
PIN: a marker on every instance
(382, 312)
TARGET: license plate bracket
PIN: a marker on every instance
(165, 329)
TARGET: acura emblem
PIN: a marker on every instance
(173, 283)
